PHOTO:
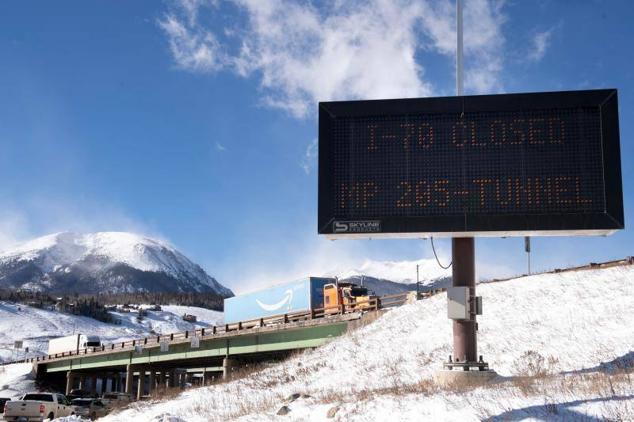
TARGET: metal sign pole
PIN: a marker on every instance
(465, 344)
(463, 248)
(459, 69)
(527, 249)
(417, 284)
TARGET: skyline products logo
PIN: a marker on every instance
(365, 226)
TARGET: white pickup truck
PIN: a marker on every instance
(38, 407)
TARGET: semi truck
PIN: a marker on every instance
(72, 343)
(298, 296)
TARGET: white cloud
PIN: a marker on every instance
(192, 47)
(310, 157)
(14, 228)
(539, 45)
(399, 271)
(346, 50)
(41, 215)
(317, 257)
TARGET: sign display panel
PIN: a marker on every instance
(514, 164)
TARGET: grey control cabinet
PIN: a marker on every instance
(458, 302)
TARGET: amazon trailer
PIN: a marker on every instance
(296, 296)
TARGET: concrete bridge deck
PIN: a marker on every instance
(143, 366)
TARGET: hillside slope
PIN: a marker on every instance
(93, 263)
(579, 321)
(37, 326)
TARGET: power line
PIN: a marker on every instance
(437, 260)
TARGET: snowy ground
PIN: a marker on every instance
(36, 326)
(568, 329)
(15, 380)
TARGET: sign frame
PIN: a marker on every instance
(471, 225)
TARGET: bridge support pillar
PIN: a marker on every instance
(93, 384)
(172, 379)
(152, 381)
(160, 380)
(69, 381)
(129, 376)
(82, 382)
(227, 368)
(204, 377)
(141, 383)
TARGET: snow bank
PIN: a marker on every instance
(16, 380)
(580, 319)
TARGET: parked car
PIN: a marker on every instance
(3, 400)
(38, 406)
(115, 399)
(89, 408)
(78, 393)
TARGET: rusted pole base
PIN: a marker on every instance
(464, 367)
(465, 340)
(465, 346)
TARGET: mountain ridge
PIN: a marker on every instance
(89, 263)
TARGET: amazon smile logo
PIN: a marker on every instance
(288, 298)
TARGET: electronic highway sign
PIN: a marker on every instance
(491, 165)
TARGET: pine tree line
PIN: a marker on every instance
(95, 306)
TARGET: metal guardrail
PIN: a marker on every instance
(591, 266)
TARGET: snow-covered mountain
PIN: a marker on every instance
(393, 277)
(112, 262)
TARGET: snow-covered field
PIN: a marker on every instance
(577, 322)
(170, 319)
(36, 326)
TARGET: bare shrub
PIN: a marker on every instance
(465, 385)
(530, 364)
(424, 358)
(165, 393)
(526, 385)
(425, 386)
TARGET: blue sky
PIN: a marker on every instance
(195, 120)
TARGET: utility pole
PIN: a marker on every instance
(417, 284)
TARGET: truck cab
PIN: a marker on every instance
(353, 296)
(86, 341)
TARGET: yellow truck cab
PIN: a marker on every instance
(354, 297)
